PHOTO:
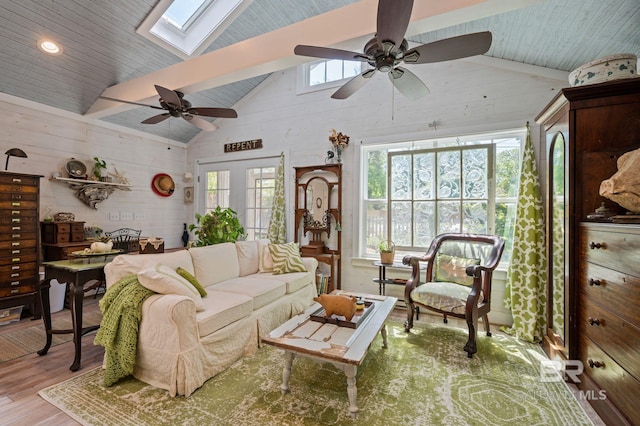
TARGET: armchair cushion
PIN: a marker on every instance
(444, 296)
(453, 269)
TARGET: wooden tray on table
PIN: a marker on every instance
(340, 321)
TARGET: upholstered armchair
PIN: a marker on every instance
(457, 280)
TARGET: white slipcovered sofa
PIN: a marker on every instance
(180, 347)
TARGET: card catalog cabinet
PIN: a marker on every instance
(19, 240)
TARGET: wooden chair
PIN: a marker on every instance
(124, 239)
(457, 280)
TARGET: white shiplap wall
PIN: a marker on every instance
(50, 137)
(467, 96)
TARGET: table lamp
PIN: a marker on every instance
(14, 152)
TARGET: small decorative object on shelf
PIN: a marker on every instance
(339, 142)
(387, 251)
(64, 217)
(98, 166)
(623, 187)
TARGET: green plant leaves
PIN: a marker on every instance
(217, 226)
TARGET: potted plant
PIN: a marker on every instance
(387, 251)
(217, 226)
(98, 166)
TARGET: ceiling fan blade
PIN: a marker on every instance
(129, 102)
(200, 122)
(408, 83)
(169, 96)
(450, 48)
(350, 87)
(393, 20)
(157, 118)
(329, 53)
(214, 112)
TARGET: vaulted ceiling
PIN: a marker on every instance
(103, 55)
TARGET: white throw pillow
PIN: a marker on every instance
(266, 262)
(247, 257)
(164, 280)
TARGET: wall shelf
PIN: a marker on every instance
(92, 192)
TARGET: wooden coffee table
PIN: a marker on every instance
(344, 347)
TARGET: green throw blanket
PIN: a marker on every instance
(121, 308)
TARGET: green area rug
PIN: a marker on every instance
(27, 340)
(422, 378)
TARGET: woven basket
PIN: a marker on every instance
(389, 253)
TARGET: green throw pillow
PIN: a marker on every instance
(453, 269)
(193, 280)
(286, 258)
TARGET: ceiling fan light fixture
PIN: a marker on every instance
(49, 47)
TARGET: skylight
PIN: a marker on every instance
(183, 12)
(187, 27)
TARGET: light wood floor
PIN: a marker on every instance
(22, 378)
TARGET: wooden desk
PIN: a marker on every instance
(76, 275)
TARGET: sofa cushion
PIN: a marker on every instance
(222, 309)
(262, 290)
(127, 264)
(266, 263)
(248, 258)
(294, 281)
(215, 263)
(164, 279)
(193, 280)
(286, 258)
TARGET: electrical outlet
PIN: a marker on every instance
(114, 215)
(126, 216)
(138, 216)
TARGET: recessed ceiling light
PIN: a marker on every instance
(49, 47)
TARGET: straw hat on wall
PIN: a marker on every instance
(163, 185)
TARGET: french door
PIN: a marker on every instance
(247, 186)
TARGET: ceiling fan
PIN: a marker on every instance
(388, 49)
(174, 103)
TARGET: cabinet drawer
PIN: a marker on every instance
(6, 228)
(7, 219)
(26, 267)
(18, 236)
(17, 244)
(19, 258)
(13, 180)
(612, 290)
(18, 204)
(615, 250)
(621, 388)
(618, 338)
(18, 196)
(18, 290)
(13, 252)
(77, 228)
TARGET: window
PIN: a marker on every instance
(247, 186)
(218, 189)
(261, 185)
(415, 191)
(324, 74)
(187, 27)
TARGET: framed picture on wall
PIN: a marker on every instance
(188, 194)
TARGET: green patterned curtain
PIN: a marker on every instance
(277, 231)
(527, 274)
